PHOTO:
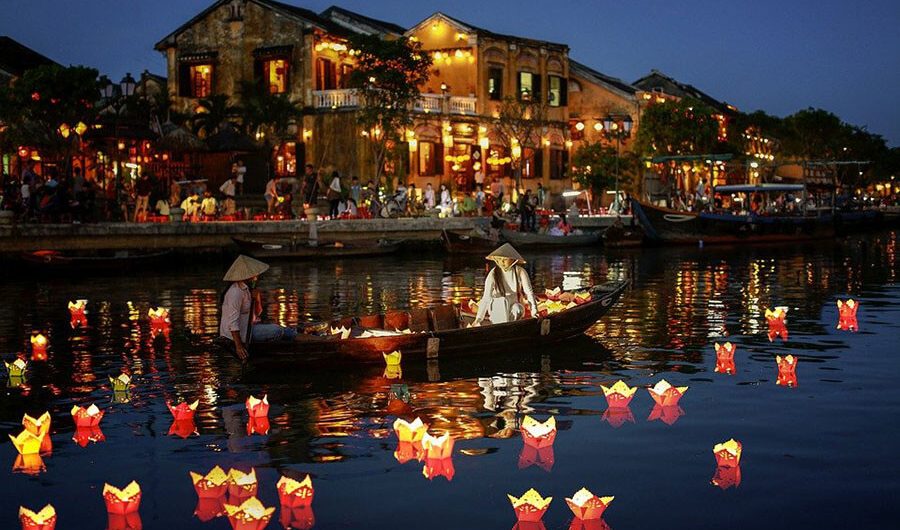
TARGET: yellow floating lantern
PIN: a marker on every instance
(410, 432)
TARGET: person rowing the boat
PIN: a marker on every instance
(241, 309)
(506, 287)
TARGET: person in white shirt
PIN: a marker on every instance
(238, 170)
(506, 288)
(334, 194)
(428, 197)
(271, 194)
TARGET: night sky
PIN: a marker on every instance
(775, 55)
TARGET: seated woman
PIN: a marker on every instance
(506, 287)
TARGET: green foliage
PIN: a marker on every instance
(678, 128)
(594, 167)
(262, 110)
(520, 122)
(214, 112)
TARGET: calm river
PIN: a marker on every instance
(820, 454)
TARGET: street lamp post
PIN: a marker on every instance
(117, 104)
(612, 126)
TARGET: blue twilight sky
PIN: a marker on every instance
(776, 55)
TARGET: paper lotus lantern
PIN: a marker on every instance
(586, 506)
(258, 425)
(393, 358)
(543, 458)
(438, 467)
(294, 493)
(412, 432)
(728, 454)
(437, 446)
(85, 435)
(787, 370)
(37, 426)
(120, 383)
(87, 417)
(727, 477)
(668, 415)
(666, 395)
(212, 485)
(537, 434)
(16, 368)
(725, 358)
(15, 381)
(582, 298)
(393, 371)
(249, 515)
(407, 451)
(39, 345)
(122, 501)
(552, 294)
(42, 520)
(240, 484)
(530, 507)
(777, 325)
(184, 410)
(183, 428)
(258, 408)
(208, 509)
(159, 318)
(299, 518)
(29, 464)
(619, 394)
(342, 332)
(847, 315)
(27, 443)
(618, 416)
(78, 313)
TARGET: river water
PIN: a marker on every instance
(818, 454)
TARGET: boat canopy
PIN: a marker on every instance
(764, 188)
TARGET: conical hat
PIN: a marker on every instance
(506, 251)
(244, 268)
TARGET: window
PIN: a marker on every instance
(431, 159)
(195, 80)
(346, 71)
(326, 74)
(559, 164)
(532, 163)
(275, 75)
(557, 95)
(495, 83)
(529, 86)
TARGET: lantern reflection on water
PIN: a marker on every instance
(39, 345)
(587, 506)
(87, 417)
(438, 467)
(543, 458)
(78, 313)
(537, 434)
(249, 515)
(45, 519)
(85, 435)
(618, 416)
(437, 447)
(619, 394)
(127, 521)
(531, 506)
(666, 395)
(299, 518)
(777, 324)
(295, 493)
(728, 454)
(668, 415)
(122, 501)
(727, 477)
(212, 485)
(592, 524)
(847, 315)
(787, 371)
(29, 464)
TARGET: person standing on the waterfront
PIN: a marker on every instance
(228, 189)
(334, 194)
(143, 190)
(540, 195)
(238, 170)
(429, 197)
(271, 194)
(355, 189)
(309, 191)
(506, 287)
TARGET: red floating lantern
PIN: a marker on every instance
(727, 477)
(159, 321)
(438, 467)
(183, 428)
(258, 426)
(242, 485)
(258, 408)
(787, 370)
(407, 451)
(725, 358)
(183, 411)
(537, 434)
(777, 323)
(543, 458)
(210, 508)
(531, 506)
(249, 515)
(42, 520)
(847, 315)
(39, 345)
(78, 313)
(85, 435)
(87, 417)
(128, 521)
(668, 415)
(212, 485)
(295, 493)
(586, 506)
(728, 454)
(299, 518)
(122, 501)
(618, 395)
(617, 416)
(437, 446)
(666, 395)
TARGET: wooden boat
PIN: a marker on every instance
(441, 333)
(278, 249)
(467, 243)
(531, 239)
(109, 260)
(622, 237)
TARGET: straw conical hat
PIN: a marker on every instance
(506, 251)
(244, 268)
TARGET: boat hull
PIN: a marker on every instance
(528, 239)
(286, 250)
(462, 243)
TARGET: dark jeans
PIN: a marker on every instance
(333, 208)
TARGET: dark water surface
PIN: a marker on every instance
(823, 454)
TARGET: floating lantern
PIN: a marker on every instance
(122, 501)
(184, 410)
(258, 408)
(777, 325)
(407, 451)
(537, 434)
(27, 443)
(29, 464)
(728, 454)
(553, 294)
(668, 415)
(121, 383)
(438, 467)
(847, 315)
(39, 347)
(240, 484)
(159, 319)
(16, 368)
(37, 426)
(212, 485)
(619, 394)
(787, 370)
(410, 432)
(293, 493)
(393, 371)
(543, 458)
(666, 395)
(87, 417)
(183, 428)
(300, 518)
(249, 515)
(437, 446)
(42, 520)
(78, 313)
(258, 426)
(586, 506)
(15, 381)
(393, 358)
(725, 358)
(208, 509)
(531, 506)
(85, 435)
(618, 416)
(727, 477)
(342, 332)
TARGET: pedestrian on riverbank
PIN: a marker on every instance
(429, 197)
(238, 170)
(309, 190)
(143, 189)
(271, 194)
(334, 194)
(355, 189)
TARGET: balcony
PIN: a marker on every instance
(427, 103)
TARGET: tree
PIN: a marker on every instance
(594, 167)
(261, 110)
(43, 108)
(684, 127)
(387, 77)
(213, 112)
(519, 124)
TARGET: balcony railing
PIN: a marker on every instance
(427, 103)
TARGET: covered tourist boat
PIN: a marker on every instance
(533, 240)
(300, 249)
(443, 331)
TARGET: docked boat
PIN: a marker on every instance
(617, 236)
(282, 249)
(108, 260)
(546, 241)
(467, 243)
(438, 333)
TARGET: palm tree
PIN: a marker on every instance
(262, 110)
(213, 112)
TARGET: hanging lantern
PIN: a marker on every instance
(531, 506)
(787, 371)
(438, 467)
(543, 458)
(618, 395)
(42, 520)
(212, 485)
(87, 417)
(437, 446)
(258, 408)
(240, 484)
(411, 432)
(777, 323)
(666, 395)
(847, 315)
(249, 515)
(85, 435)
(293, 493)
(728, 454)
(16, 368)
(183, 411)
(122, 501)
(725, 358)
(121, 383)
(586, 506)
(39, 347)
(668, 414)
(537, 434)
